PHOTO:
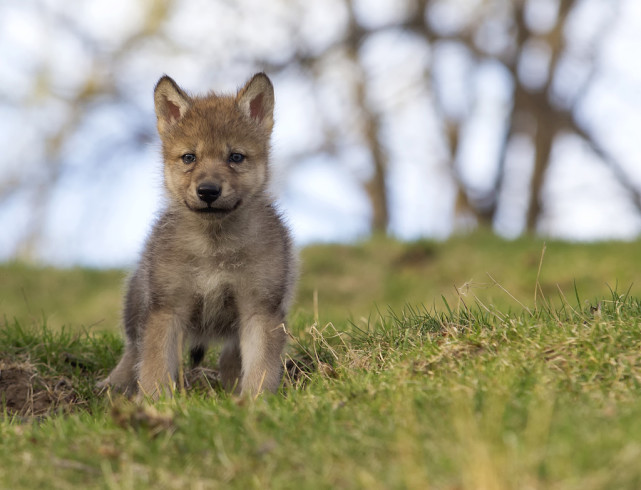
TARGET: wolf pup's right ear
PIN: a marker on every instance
(171, 103)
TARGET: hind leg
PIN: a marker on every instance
(123, 377)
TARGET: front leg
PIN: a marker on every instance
(262, 339)
(159, 354)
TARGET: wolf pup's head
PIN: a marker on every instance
(215, 148)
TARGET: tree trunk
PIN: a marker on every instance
(543, 140)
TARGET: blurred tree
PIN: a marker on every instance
(528, 39)
(371, 67)
(68, 95)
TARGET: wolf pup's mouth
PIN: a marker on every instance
(216, 211)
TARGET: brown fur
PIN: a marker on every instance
(211, 270)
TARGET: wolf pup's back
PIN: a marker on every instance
(218, 264)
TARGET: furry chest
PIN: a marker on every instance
(210, 282)
(216, 309)
(215, 288)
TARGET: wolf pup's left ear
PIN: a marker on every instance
(256, 100)
(171, 103)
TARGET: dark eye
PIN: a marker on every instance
(189, 158)
(236, 158)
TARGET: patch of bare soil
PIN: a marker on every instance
(23, 392)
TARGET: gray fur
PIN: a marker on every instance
(221, 271)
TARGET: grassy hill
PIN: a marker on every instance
(463, 377)
(356, 282)
(351, 280)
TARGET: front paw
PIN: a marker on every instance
(152, 392)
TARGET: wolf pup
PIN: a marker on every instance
(218, 264)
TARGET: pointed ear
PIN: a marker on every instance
(171, 103)
(256, 100)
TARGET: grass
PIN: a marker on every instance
(490, 390)
(350, 279)
(77, 297)
(351, 283)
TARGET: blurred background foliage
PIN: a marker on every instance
(415, 118)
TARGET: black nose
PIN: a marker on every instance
(208, 192)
